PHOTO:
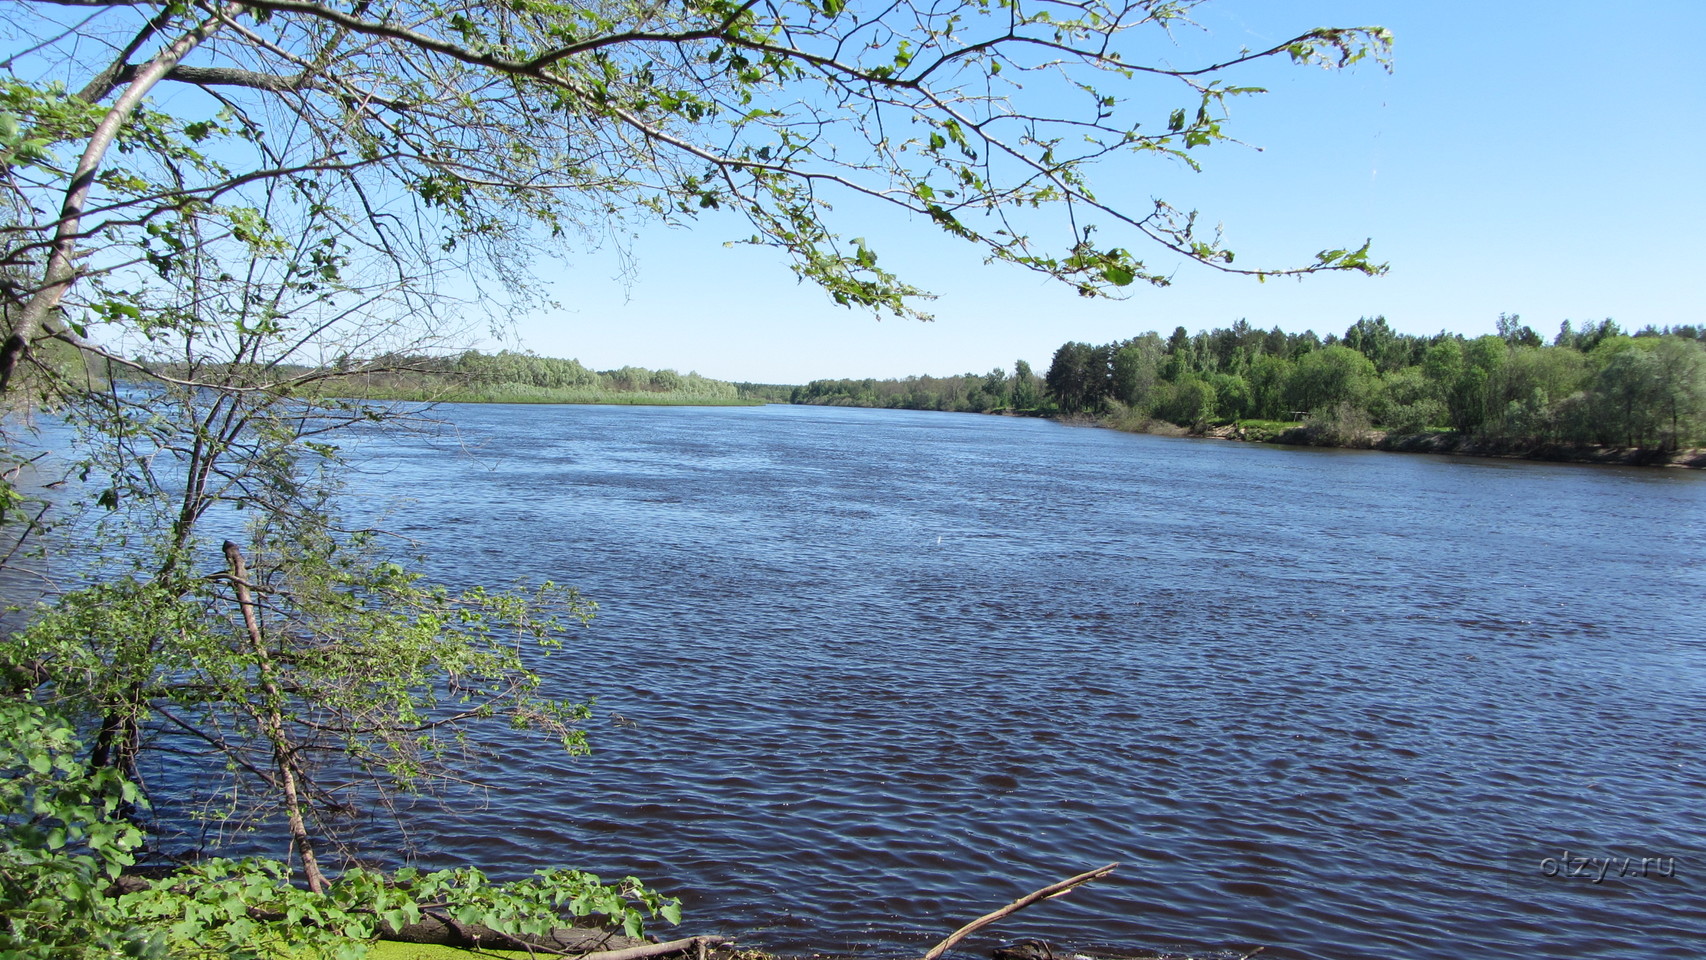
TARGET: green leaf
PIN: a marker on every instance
(399, 917)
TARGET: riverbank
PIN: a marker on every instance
(1457, 444)
(1303, 434)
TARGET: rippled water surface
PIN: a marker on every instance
(863, 675)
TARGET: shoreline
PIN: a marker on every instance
(1295, 435)
(1439, 444)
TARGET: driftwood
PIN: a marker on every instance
(584, 943)
(697, 944)
(439, 931)
(1047, 893)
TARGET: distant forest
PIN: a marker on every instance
(512, 377)
(1589, 385)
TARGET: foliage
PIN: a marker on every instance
(1647, 391)
(61, 844)
(1407, 402)
(1136, 368)
(350, 667)
(1343, 424)
(1265, 431)
(1326, 378)
(1080, 377)
(299, 673)
(64, 839)
(229, 908)
(1643, 391)
(992, 392)
(292, 670)
(1190, 403)
(452, 138)
(510, 377)
(1023, 389)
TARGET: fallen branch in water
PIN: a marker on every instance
(1047, 893)
(657, 949)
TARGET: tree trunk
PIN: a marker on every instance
(271, 716)
(61, 269)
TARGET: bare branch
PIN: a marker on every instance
(1046, 893)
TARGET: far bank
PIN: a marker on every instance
(1443, 442)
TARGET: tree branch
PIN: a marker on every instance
(1047, 893)
(60, 271)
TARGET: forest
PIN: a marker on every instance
(523, 377)
(1591, 384)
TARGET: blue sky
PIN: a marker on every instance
(1544, 159)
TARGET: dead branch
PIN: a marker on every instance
(1047, 893)
(657, 949)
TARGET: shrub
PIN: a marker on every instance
(1341, 425)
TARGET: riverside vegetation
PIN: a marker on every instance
(511, 377)
(1590, 390)
(470, 376)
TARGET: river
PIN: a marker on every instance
(864, 675)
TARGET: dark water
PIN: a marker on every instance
(864, 675)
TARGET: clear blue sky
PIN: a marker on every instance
(1539, 158)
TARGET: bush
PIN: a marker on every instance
(1414, 418)
(62, 842)
(1341, 425)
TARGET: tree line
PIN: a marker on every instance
(1591, 384)
(507, 376)
(511, 376)
(993, 392)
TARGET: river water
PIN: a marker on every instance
(864, 675)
